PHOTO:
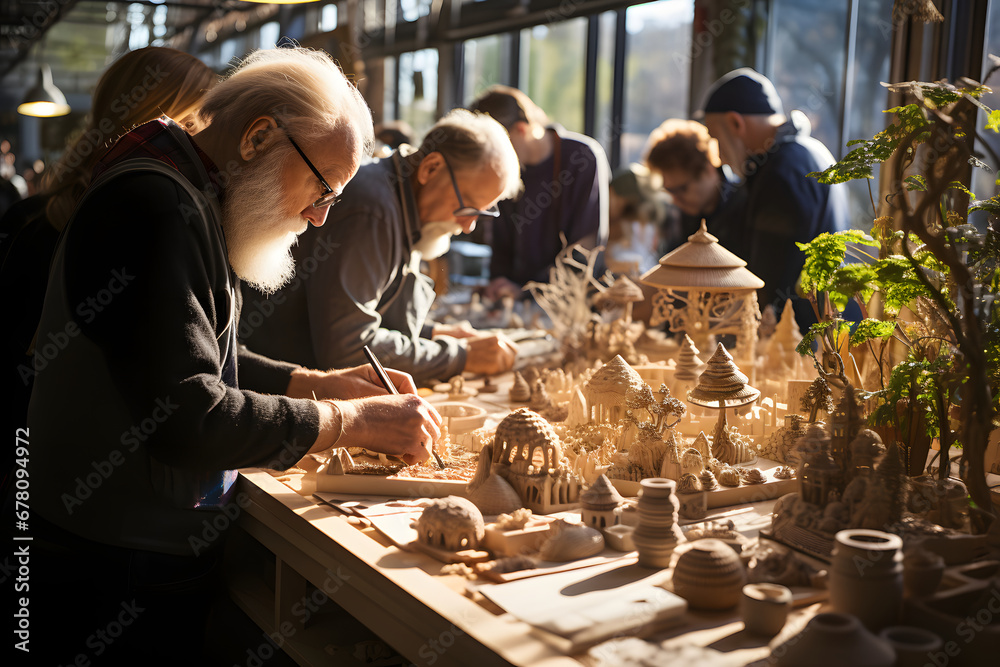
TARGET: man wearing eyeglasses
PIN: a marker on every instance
(144, 406)
(686, 159)
(358, 280)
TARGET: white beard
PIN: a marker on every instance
(435, 238)
(259, 233)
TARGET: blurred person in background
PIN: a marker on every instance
(684, 158)
(391, 135)
(565, 194)
(773, 153)
(637, 214)
(138, 87)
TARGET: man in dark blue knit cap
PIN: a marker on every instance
(773, 153)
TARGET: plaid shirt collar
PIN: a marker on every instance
(153, 140)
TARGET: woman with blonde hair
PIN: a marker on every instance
(138, 87)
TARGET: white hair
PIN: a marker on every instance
(304, 89)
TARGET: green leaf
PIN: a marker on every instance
(832, 329)
(869, 329)
(825, 254)
(859, 163)
(993, 122)
(915, 182)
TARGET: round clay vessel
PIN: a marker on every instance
(922, 573)
(709, 575)
(764, 608)
(833, 640)
(913, 646)
(866, 576)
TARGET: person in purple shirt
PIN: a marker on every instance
(565, 196)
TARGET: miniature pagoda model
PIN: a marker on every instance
(623, 292)
(705, 290)
(722, 385)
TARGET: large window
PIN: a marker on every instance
(657, 70)
(553, 69)
(604, 130)
(868, 98)
(417, 93)
(983, 182)
(808, 56)
(810, 37)
(484, 64)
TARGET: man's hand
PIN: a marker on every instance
(357, 382)
(489, 355)
(402, 425)
(501, 287)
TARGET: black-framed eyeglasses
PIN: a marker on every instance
(464, 211)
(328, 198)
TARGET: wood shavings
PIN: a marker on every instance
(365, 468)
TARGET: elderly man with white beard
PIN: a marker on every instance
(145, 404)
(358, 281)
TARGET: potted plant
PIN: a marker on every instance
(926, 293)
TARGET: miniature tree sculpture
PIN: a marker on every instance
(565, 297)
(689, 365)
(654, 438)
(705, 290)
(723, 386)
(818, 397)
(623, 292)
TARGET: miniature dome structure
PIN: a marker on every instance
(525, 438)
(528, 454)
(605, 392)
(451, 523)
(704, 289)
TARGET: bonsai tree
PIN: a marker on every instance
(930, 262)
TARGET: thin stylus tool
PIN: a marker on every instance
(391, 388)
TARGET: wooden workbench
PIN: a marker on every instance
(400, 596)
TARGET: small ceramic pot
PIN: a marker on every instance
(833, 640)
(709, 575)
(913, 646)
(693, 505)
(922, 573)
(764, 608)
(866, 576)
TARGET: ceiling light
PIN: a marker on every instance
(44, 99)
